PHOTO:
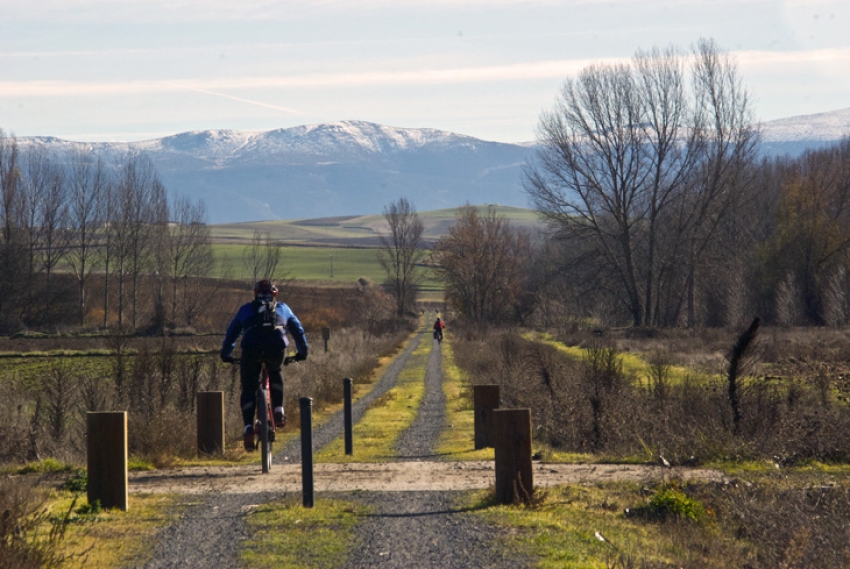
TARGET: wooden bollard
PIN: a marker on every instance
(210, 422)
(485, 401)
(512, 441)
(326, 335)
(106, 457)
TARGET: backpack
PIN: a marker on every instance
(265, 320)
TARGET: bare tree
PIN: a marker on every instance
(262, 257)
(11, 255)
(107, 240)
(139, 197)
(723, 120)
(615, 169)
(190, 255)
(482, 264)
(86, 188)
(54, 235)
(402, 252)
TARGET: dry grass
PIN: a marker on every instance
(594, 405)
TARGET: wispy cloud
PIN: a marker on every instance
(478, 74)
(230, 87)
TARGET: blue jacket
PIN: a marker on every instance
(285, 320)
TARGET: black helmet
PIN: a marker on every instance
(265, 288)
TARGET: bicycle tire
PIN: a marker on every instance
(265, 443)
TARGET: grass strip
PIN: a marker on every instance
(285, 534)
(377, 433)
(633, 364)
(457, 441)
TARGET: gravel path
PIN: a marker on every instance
(209, 534)
(425, 530)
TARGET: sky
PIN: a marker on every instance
(126, 70)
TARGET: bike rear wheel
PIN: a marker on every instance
(265, 442)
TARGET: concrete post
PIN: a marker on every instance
(106, 457)
(485, 400)
(512, 441)
(210, 422)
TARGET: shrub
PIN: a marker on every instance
(670, 502)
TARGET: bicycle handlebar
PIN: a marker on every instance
(286, 361)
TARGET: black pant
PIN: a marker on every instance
(251, 367)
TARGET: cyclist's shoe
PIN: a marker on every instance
(248, 438)
(279, 419)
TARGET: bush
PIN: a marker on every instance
(670, 502)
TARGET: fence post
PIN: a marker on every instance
(307, 450)
(326, 335)
(106, 458)
(512, 441)
(210, 422)
(348, 420)
(485, 401)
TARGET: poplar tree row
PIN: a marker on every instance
(86, 242)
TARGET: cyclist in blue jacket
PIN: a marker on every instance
(263, 324)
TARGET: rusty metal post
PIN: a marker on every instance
(347, 416)
(106, 458)
(485, 401)
(210, 422)
(512, 441)
(307, 450)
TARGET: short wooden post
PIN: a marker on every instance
(512, 441)
(485, 401)
(106, 457)
(210, 422)
(326, 335)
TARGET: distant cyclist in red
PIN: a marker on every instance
(438, 329)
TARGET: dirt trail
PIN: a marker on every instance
(209, 534)
(416, 521)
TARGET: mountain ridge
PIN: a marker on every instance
(357, 167)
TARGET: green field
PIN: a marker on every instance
(337, 249)
(331, 264)
(355, 230)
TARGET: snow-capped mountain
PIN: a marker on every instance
(333, 169)
(793, 135)
(353, 167)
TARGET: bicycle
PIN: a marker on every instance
(264, 424)
(438, 335)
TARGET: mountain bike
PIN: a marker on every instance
(438, 335)
(264, 424)
(264, 427)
